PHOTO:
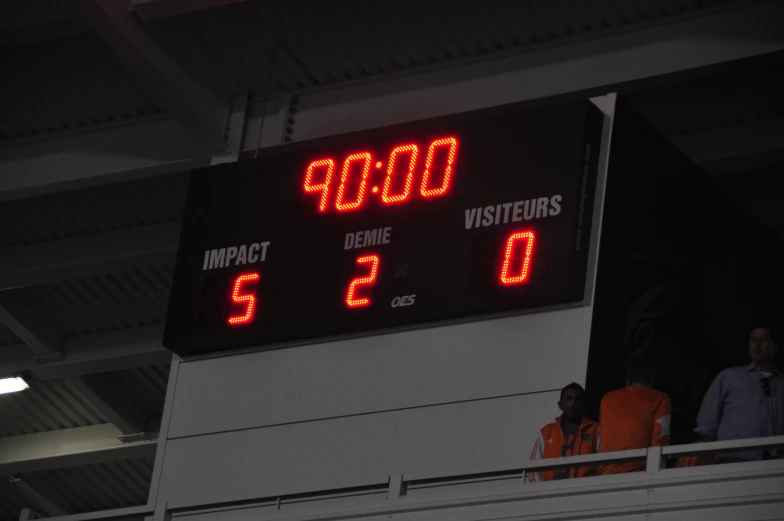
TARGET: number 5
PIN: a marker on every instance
(248, 299)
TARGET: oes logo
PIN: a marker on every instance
(406, 300)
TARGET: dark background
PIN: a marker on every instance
(684, 273)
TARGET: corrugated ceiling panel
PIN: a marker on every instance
(760, 191)
(8, 337)
(104, 303)
(66, 84)
(89, 211)
(56, 404)
(14, 14)
(148, 385)
(709, 103)
(151, 382)
(87, 488)
(229, 48)
(45, 406)
(11, 504)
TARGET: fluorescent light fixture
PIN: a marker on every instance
(12, 385)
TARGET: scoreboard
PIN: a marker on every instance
(449, 219)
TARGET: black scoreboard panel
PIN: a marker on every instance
(440, 220)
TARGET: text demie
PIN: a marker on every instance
(365, 238)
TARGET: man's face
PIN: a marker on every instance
(572, 405)
(761, 346)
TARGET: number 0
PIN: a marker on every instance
(248, 299)
(340, 201)
(519, 272)
(353, 302)
(414, 151)
(425, 189)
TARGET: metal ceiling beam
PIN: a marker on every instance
(115, 403)
(137, 513)
(733, 165)
(28, 514)
(152, 9)
(40, 335)
(67, 448)
(66, 259)
(235, 130)
(618, 62)
(751, 139)
(143, 149)
(25, 23)
(42, 504)
(173, 89)
(39, 31)
(91, 354)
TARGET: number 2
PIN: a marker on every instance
(352, 302)
(248, 299)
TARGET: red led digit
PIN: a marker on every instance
(414, 152)
(320, 187)
(510, 275)
(353, 302)
(452, 145)
(249, 299)
(340, 202)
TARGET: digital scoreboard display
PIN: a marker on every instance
(441, 220)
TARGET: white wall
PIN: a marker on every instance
(352, 451)
(476, 360)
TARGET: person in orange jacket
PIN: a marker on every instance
(696, 460)
(570, 434)
(634, 417)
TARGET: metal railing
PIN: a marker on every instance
(654, 458)
(397, 486)
(723, 447)
(117, 514)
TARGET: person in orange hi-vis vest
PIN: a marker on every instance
(635, 417)
(569, 435)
